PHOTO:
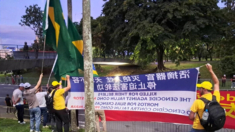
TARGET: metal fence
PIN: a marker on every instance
(19, 55)
(32, 80)
(120, 126)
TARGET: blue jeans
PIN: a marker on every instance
(35, 114)
(44, 113)
(195, 130)
(233, 84)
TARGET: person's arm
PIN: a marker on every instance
(193, 110)
(11, 102)
(214, 77)
(191, 115)
(12, 98)
(39, 81)
(68, 84)
(60, 84)
(16, 101)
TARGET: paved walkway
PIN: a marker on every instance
(4, 114)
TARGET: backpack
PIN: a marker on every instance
(49, 102)
(217, 115)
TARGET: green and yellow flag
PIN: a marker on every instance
(78, 43)
(57, 37)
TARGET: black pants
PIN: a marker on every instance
(26, 55)
(8, 108)
(20, 112)
(223, 84)
(36, 54)
(61, 116)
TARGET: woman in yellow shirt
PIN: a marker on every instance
(61, 115)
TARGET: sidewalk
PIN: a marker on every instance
(4, 114)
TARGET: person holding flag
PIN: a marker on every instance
(61, 115)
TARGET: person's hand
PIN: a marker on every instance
(60, 87)
(41, 75)
(67, 77)
(209, 67)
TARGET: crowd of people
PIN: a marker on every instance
(52, 104)
(13, 79)
(39, 105)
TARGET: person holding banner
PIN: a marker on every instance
(61, 115)
(198, 106)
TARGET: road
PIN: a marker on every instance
(114, 126)
(6, 89)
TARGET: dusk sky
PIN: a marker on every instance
(12, 10)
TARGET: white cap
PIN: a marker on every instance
(21, 85)
(27, 85)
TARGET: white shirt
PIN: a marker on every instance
(41, 99)
(18, 94)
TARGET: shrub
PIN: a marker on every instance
(227, 65)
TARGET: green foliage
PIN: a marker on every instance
(149, 28)
(33, 19)
(227, 65)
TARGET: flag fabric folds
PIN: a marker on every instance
(65, 41)
(78, 42)
(57, 37)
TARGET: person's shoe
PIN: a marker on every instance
(31, 130)
(18, 121)
(23, 123)
(45, 126)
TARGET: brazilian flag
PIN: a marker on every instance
(78, 43)
(58, 37)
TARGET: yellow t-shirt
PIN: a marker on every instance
(59, 101)
(199, 105)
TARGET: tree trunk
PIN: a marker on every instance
(73, 112)
(88, 70)
(167, 51)
(123, 52)
(160, 53)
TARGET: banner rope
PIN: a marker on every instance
(204, 65)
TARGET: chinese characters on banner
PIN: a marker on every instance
(168, 92)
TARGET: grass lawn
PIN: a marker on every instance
(9, 125)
